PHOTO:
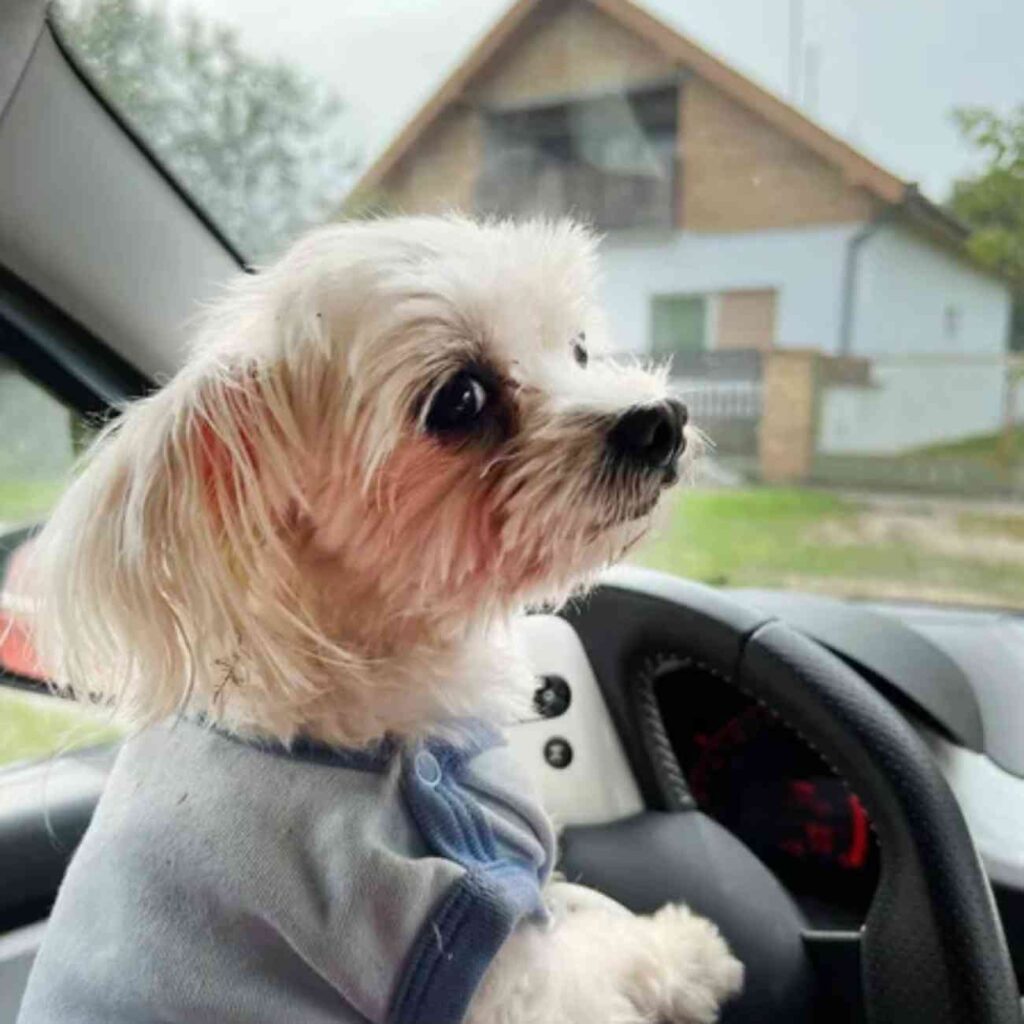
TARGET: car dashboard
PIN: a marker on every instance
(954, 674)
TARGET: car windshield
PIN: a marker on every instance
(813, 212)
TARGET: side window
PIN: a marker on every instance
(38, 436)
(679, 327)
(39, 440)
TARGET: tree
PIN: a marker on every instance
(992, 202)
(260, 146)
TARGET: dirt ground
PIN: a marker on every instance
(848, 544)
(952, 528)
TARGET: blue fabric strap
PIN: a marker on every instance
(457, 945)
(502, 884)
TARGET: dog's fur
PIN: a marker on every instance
(276, 542)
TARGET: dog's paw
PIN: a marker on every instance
(689, 970)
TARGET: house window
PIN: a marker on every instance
(679, 328)
(610, 159)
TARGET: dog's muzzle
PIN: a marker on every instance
(650, 438)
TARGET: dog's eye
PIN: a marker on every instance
(457, 405)
(579, 349)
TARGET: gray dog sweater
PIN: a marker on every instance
(222, 881)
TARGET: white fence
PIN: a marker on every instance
(720, 399)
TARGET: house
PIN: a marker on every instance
(736, 227)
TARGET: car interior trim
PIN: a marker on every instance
(61, 354)
(72, 182)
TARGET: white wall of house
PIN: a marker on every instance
(936, 330)
(804, 265)
(905, 287)
(935, 327)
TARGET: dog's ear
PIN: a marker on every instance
(168, 551)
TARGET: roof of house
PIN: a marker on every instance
(858, 169)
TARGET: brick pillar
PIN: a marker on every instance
(789, 414)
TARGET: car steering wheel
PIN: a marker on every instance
(932, 948)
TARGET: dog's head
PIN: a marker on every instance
(400, 433)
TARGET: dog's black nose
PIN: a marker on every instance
(650, 436)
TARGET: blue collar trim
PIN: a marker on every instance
(456, 742)
(374, 757)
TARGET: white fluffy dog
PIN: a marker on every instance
(305, 552)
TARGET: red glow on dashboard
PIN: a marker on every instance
(857, 855)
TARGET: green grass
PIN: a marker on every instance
(781, 537)
(729, 536)
(34, 727)
(26, 500)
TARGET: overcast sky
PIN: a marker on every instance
(889, 71)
